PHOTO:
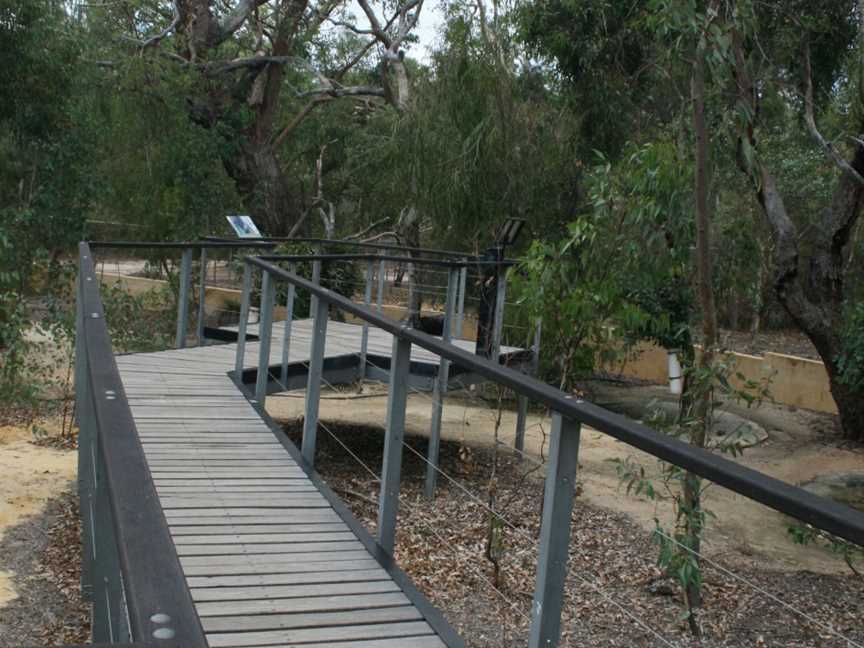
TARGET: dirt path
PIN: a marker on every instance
(797, 450)
(30, 476)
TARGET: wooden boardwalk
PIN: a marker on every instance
(269, 559)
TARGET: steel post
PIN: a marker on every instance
(460, 306)
(388, 501)
(202, 296)
(382, 275)
(183, 298)
(316, 279)
(440, 388)
(265, 331)
(554, 533)
(498, 321)
(522, 409)
(364, 338)
(245, 301)
(286, 332)
(313, 385)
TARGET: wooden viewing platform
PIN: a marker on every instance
(270, 560)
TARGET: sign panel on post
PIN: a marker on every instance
(243, 226)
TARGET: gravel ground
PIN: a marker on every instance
(44, 554)
(614, 589)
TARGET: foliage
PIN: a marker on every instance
(139, 323)
(806, 534)
(850, 363)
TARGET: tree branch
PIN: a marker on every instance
(234, 20)
(155, 40)
(368, 229)
(810, 119)
(339, 91)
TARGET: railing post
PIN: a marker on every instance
(245, 301)
(498, 321)
(85, 441)
(202, 296)
(313, 384)
(460, 306)
(286, 332)
(555, 533)
(522, 411)
(388, 501)
(364, 338)
(316, 279)
(412, 290)
(265, 331)
(439, 389)
(183, 298)
(382, 275)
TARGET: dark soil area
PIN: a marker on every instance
(44, 553)
(615, 594)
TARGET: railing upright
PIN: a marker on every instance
(313, 385)
(265, 336)
(498, 318)
(522, 399)
(460, 306)
(286, 331)
(555, 533)
(364, 336)
(316, 279)
(183, 298)
(394, 434)
(382, 276)
(440, 388)
(202, 296)
(245, 303)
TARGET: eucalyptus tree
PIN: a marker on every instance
(254, 71)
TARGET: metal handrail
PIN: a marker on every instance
(568, 415)
(131, 569)
(463, 263)
(823, 513)
(362, 244)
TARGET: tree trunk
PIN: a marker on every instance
(703, 404)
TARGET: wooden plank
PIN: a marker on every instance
(302, 487)
(273, 519)
(228, 483)
(249, 549)
(180, 530)
(219, 501)
(245, 561)
(300, 577)
(307, 590)
(262, 538)
(292, 606)
(288, 638)
(261, 622)
(278, 567)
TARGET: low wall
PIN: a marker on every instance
(794, 381)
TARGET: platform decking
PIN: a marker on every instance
(268, 559)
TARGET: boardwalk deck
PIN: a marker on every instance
(270, 558)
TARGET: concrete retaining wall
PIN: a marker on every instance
(794, 381)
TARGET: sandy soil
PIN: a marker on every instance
(799, 448)
(30, 475)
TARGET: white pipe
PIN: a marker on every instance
(675, 380)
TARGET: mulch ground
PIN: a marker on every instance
(614, 590)
(44, 553)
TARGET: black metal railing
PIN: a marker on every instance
(130, 571)
(569, 413)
